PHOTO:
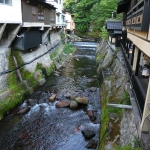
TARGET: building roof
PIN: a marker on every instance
(122, 6)
(47, 4)
(113, 25)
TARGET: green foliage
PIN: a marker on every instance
(69, 48)
(127, 147)
(104, 33)
(10, 103)
(54, 54)
(126, 97)
(137, 143)
(94, 12)
(102, 11)
(63, 36)
(16, 94)
(104, 126)
(51, 69)
(81, 10)
(100, 56)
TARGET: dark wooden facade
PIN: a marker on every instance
(38, 12)
(138, 15)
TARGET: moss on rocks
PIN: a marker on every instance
(31, 81)
(112, 91)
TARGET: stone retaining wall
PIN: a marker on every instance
(128, 131)
(117, 125)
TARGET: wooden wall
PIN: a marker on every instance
(37, 12)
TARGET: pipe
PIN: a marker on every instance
(18, 71)
(20, 36)
(120, 106)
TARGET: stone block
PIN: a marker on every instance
(4, 95)
(42, 81)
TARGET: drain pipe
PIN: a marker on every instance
(18, 71)
(20, 77)
(120, 106)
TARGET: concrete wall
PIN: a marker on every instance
(45, 60)
(11, 13)
(4, 66)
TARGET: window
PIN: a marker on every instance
(52, 16)
(40, 12)
(58, 18)
(63, 18)
(33, 10)
(7, 2)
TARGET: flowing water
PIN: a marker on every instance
(46, 127)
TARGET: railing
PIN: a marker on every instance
(136, 85)
(139, 16)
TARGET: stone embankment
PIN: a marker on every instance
(40, 63)
(117, 125)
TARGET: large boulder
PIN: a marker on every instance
(31, 102)
(23, 111)
(91, 115)
(52, 98)
(82, 100)
(73, 97)
(62, 104)
(88, 134)
(92, 144)
(73, 104)
(92, 89)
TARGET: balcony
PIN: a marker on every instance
(139, 16)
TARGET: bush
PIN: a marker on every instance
(69, 48)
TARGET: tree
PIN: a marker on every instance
(94, 12)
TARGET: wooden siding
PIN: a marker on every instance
(139, 16)
(37, 12)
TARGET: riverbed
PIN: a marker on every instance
(47, 127)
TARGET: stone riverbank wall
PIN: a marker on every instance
(117, 125)
(39, 63)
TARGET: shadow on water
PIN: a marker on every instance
(46, 127)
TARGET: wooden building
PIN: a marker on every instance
(60, 16)
(135, 46)
(38, 20)
(70, 24)
(38, 13)
(114, 29)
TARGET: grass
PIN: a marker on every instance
(127, 147)
(54, 54)
(69, 48)
(126, 98)
(51, 69)
(100, 56)
(104, 127)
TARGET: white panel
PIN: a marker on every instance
(11, 13)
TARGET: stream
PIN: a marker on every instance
(47, 127)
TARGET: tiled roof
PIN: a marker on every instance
(113, 25)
